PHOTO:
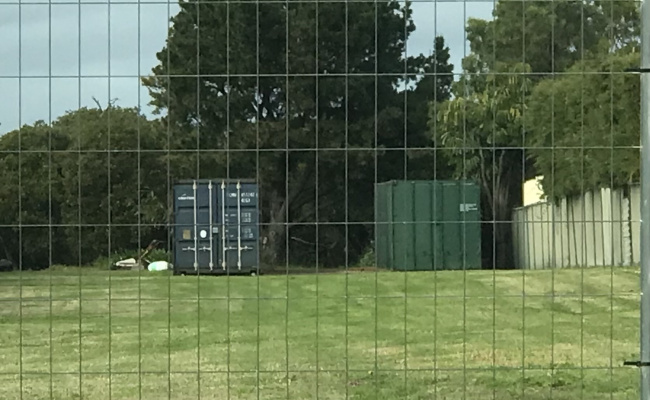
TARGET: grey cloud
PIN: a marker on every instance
(68, 93)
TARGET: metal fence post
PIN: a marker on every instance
(645, 201)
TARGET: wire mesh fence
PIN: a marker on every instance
(332, 199)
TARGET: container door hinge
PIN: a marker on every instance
(637, 364)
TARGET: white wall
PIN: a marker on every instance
(533, 192)
(601, 228)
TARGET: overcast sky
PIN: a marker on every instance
(25, 48)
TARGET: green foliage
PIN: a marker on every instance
(368, 258)
(75, 187)
(25, 193)
(479, 118)
(591, 120)
(551, 36)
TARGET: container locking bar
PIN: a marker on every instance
(223, 225)
(196, 239)
(211, 227)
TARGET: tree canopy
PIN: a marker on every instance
(74, 186)
(551, 36)
(584, 127)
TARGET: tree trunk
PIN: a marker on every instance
(274, 233)
(507, 196)
(5, 252)
(503, 230)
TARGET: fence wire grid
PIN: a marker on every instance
(275, 199)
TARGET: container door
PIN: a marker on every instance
(247, 226)
(404, 232)
(470, 208)
(194, 235)
(209, 233)
(239, 221)
(438, 225)
(381, 227)
(452, 250)
(423, 226)
(462, 215)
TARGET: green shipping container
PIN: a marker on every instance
(428, 225)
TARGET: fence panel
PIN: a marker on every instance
(600, 228)
(321, 199)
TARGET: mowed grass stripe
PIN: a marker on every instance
(500, 357)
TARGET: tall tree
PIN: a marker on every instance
(590, 123)
(483, 128)
(296, 96)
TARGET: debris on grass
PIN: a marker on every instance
(141, 262)
(6, 265)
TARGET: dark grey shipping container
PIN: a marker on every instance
(216, 227)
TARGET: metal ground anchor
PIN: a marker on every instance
(637, 364)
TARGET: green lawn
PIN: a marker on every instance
(89, 334)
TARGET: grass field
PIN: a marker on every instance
(89, 334)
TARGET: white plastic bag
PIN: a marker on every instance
(159, 266)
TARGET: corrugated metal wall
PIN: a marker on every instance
(216, 226)
(599, 229)
(428, 225)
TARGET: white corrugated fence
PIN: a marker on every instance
(601, 228)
